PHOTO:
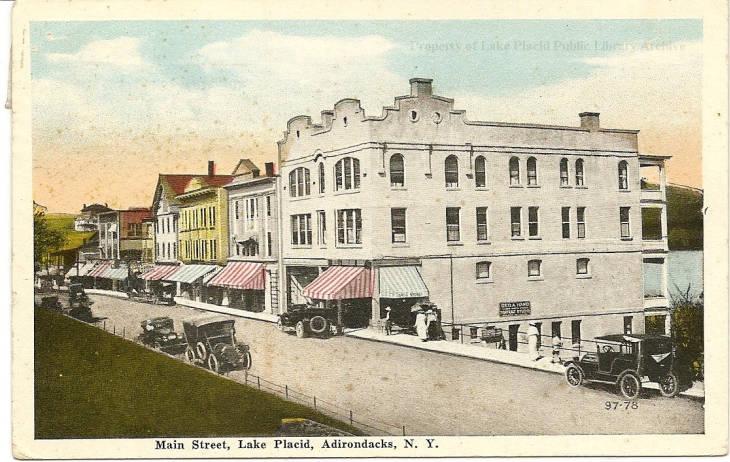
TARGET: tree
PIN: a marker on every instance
(688, 332)
(45, 238)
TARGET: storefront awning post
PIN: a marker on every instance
(375, 300)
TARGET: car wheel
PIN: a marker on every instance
(247, 361)
(629, 385)
(318, 324)
(190, 355)
(669, 385)
(201, 351)
(300, 330)
(213, 364)
(280, 325)
(574, 375)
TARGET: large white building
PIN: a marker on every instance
(497, 223)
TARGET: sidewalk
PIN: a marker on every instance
(266, 317)
(488, 353)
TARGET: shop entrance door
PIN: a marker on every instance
(513, 330)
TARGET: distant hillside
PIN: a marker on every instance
(65, 223)
(685, 218)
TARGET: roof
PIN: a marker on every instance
(96, 208)
(204, 319)
(245, 166)
(174, 184)
(136, 215)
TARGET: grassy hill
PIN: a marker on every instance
(65, 223)
(685, 218)
(92, 384)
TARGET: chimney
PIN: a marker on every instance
(589, 120)
(211, 167)
(269, 166)
(84, 206)
(420, 87)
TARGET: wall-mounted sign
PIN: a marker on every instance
(514, 308)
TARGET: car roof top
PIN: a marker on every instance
(207, 319)
(629, 337)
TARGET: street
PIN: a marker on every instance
(429, 393)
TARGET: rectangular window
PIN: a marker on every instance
(482, 229)
(484, 270)
(556, 327)
(625, 224)
(628, 325)
(534, 268)
(398, 225)
(452, 224)
(215, 248)
(473, 332)
(575, 331)
(268, 244)
(565, 217)
(516, 221)
(301, 226)
(581, 222)
(533, 222)
(581, 266)
(268, 206)
(349, 226)
(321, 227)
(212, 216)
(236, 209)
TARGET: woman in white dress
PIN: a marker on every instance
(421, 326)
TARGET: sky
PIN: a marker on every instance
(117, 102)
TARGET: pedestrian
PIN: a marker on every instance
(532, 336)
(432, 325)
(557, 344)
(421, 326)
(388, 322)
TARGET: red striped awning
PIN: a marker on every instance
(100, 269)
(240, 275)
(341, 283)
(159, 272)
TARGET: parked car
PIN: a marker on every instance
(309, 319)
(211, 341)
(77, 296)
(160, 333)
(51, 303)
(624, 360)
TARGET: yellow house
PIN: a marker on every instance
(203, 233)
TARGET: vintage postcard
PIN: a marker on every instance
(369, 229)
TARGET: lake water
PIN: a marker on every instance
(685, 270)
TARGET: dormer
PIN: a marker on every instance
(194, 184)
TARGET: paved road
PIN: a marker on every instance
(430, 393)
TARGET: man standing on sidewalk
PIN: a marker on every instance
(532, 336)
(557, 344)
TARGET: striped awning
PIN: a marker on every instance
(341, 283)
(100, 269)
(116, 273)
(159, 272)
(189, 273)
(401, 282)
(240, 275)
(83, 270)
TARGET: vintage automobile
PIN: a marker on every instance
(79, 303)
(160, 333)
(211, 341)
(309, 319)
(624, 360)
(51, 303)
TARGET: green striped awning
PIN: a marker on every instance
(83, 269)
(190, 273)
(119, 274)
(401, 282)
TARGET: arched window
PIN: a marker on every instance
(480, 172)
(579, 176)
(347, 174)
(531, 171)
(484, 270)
(299, 184)
(564, 180)
(397, 171)
(321, 179)
(623, 175)
(451, 172)
(514, 171)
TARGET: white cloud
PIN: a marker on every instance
(121, 53)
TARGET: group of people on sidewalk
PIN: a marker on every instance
(428, 324)
(533, 340)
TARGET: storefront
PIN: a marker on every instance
(242, 285)
(350, 287)
(400, 288)
(189, 280)
(96, 274)
(80, 274)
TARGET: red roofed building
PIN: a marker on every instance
(123, 234)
